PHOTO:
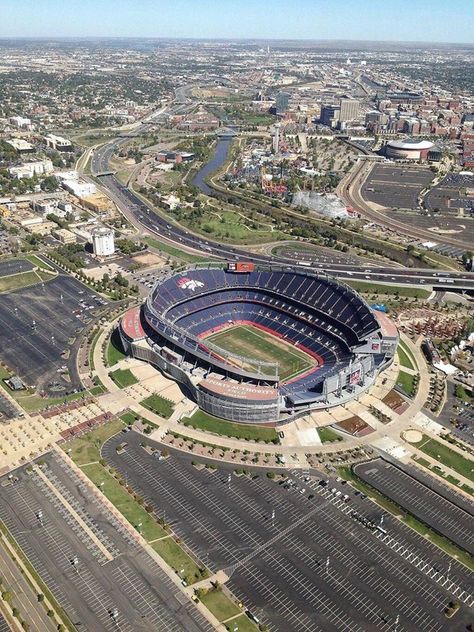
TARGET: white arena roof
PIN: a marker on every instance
(414, 145)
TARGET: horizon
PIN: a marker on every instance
(426, 21)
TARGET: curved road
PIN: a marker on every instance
(146, 219)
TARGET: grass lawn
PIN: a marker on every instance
(115, 351)
(180, 561)
(123, 377)
(36, 261)
(174, 252)
(22, 279)
(159, 405)
(327, 435)
(243, 624)
(220, 605)
(203, 421)
(405, 357)
(129, 418)
(60, 612)
(405, 383)
(378, 288)
(86, 448)
(447, 457)
(30, 402)
(253, 343)
(124, 502)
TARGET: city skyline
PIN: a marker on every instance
(305, 20)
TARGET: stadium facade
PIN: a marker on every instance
(343, 342)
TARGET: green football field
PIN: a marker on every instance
(253, 343)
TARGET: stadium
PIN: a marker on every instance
(409, 149)
(260, 344)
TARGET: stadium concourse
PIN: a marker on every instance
(260, 344)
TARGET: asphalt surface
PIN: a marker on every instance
(441, 513)
(460, 413)
(36, 326)
(278, 562)
(352, 195)
(131, 582)
(397, 186)
(15, 266)
(142, 216)
(4, 627)
(24, 597)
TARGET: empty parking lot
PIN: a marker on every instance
(38, 325)
(443, 514)
(396, 186)
(94, 568)
(300, 558)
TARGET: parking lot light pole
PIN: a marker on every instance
(229, 478)
(449, 569)
(273, 517)
(327, 565)
(397, 621)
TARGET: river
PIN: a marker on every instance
(221, 152)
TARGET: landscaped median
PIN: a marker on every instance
(85, 451)
(405, 357)
(446, 456)
(202, 421)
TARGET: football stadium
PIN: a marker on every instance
(260, 344)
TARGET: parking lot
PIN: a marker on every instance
(442, 513)
(38, 326)
(396, 186)
(94, 568)
(15, 266)
(302, 557)
(458, 416)
(446, 197)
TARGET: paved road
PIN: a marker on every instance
(142, 215)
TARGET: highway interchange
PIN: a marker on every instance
(147, 220)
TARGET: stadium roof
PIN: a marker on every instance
(415, 145)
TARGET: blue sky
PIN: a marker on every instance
(407, 20)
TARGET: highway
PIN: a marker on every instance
(141, 215)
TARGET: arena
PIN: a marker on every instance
(409, 149)
(260, 344)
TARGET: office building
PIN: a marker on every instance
(349, 110)
(103, 243)
(329, 115)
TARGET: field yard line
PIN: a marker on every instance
(298, 354)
